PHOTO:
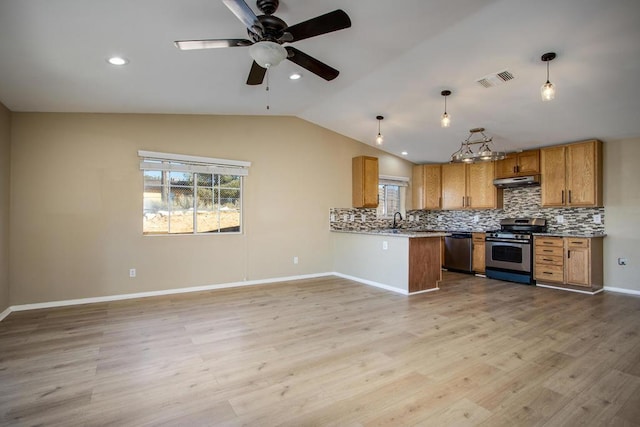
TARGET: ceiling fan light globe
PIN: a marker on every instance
(267, 54)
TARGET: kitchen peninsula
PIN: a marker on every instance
(407, 262)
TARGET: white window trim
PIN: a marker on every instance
(403, 183)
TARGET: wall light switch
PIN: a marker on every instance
(385, 245)
(345, 217)
(352, 218)
(363, 218)
(560, 219)
(417, 217)
(597, 219)
(476, 218)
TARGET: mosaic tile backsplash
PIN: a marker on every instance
(518, 202)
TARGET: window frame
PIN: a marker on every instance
(398, 181)
(166, 163)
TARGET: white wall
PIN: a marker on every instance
(5, 173)
(76, 211)
(622, 218)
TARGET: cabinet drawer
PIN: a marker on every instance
(577, 243)
(552, 273)
(551, 250)
(478, 237)
(549, 241)
(550, 260)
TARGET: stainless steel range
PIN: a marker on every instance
(509, 251)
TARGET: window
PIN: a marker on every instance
(191, 195)
(391, 195)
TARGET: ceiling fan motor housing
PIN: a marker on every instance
(273, 29)
(267, 6)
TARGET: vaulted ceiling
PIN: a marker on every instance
(394, 61)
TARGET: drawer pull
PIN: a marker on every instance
(546, 250)
(547, 259)
(546, 272)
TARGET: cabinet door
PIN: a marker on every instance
(507, 167)
(432, 187)
(528, 162)
(577, 264)
(552, 167)
(478, 252)
(418, 188)
(481, 193)
(365, 182)
(583, 172)
(453, 186)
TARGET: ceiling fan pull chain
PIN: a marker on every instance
(267, 88)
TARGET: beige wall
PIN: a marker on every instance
(5, 173)
(77, 206)
(622, 214)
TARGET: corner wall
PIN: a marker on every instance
(622, 201)
(5, 176)
(77, 202)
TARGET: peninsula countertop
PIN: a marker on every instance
(397, 232)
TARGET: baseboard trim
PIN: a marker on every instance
(371, 283)
(622, 290)
(5, 313)
(79, 301)
(578, 291)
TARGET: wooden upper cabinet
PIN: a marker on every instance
(519, 164)
(584, 174)
(481, 193)
(470, 186)
(365, 182)
(454, 186)
(427, 187)
(572, 175)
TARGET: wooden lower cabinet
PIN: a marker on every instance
(571, 262)
(478, 252)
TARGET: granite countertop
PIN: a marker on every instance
(571, 234)
(398, 233)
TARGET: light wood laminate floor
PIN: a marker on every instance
(328, 351)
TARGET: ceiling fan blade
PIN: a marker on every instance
(211, 44)
(316, 67)
(245, 14)
(332, 21)
(256, 75)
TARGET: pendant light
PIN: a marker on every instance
(445, 119)
(484, 154)
(548, 90)
(379, 138)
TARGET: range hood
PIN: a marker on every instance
(519, 181)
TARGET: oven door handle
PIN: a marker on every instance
(521, 242)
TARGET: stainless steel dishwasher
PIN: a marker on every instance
(458, 252)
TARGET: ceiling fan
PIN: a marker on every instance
(267, 33)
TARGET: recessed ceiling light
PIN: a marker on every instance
(404, 153)
(295, 76)
(117, 60)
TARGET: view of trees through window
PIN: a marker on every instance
(185, 202)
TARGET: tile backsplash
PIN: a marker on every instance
(518, 202)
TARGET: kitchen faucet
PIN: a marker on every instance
(394, 219)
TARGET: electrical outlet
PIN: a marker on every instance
(411, 218)
(417, 217)
(132, 272)
(352, 218)
(363, 218)
(345, 217)
(295, 259)
(476, 218)
(385, 245)
(560, 219)
(597, 219)
(622, 261)
(332, 217)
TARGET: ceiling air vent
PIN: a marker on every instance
(496, 79)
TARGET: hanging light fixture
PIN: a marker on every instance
(445, 119)
(484, 154)
(379, 138)
(548, 90)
